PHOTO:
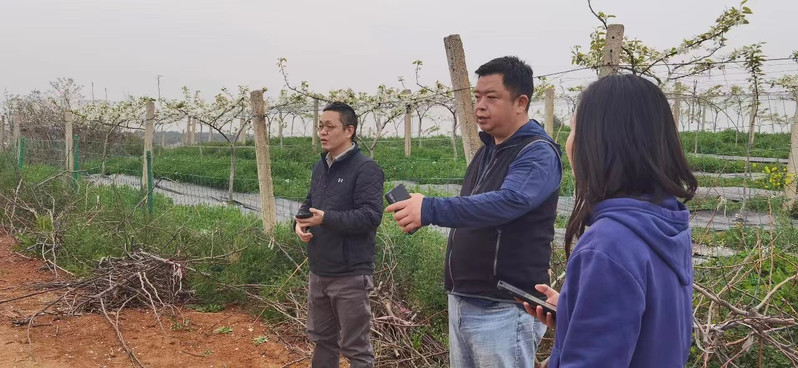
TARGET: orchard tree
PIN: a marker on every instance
(693, 56)
(112, 120)
(440, 95)
(219, 116)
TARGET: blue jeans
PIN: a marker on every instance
(487, 334)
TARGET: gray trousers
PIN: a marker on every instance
(339, 320)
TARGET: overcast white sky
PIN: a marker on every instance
(122, 45)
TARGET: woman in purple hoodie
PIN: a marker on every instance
(627, 296)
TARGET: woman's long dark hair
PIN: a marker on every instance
(625, 145)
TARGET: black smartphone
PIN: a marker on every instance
(304, 213)
(398, 194)
(523, 295)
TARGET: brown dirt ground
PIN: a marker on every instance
(89, 340)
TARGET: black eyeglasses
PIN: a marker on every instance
(326, 128)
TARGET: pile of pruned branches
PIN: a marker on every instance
(137, 280)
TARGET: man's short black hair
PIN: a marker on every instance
(348, 116)
(516, 75)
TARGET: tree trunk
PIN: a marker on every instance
(454, 134)
(232, 173)
(105, 149)
(280, 129)
(693, 109)
(737, 127)
(751, 132)
(376, 137)
(790, 190)
(105, 152)
(420, 118)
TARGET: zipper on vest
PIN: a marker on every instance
(449, 259)
(496, 256)
(491, 163)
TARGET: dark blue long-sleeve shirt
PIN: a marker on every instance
(531, 178)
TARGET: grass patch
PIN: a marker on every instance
(432, 163)
(732, 143)
(101, 221)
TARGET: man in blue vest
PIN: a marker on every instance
(502, 224)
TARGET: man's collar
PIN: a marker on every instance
(331, 159)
